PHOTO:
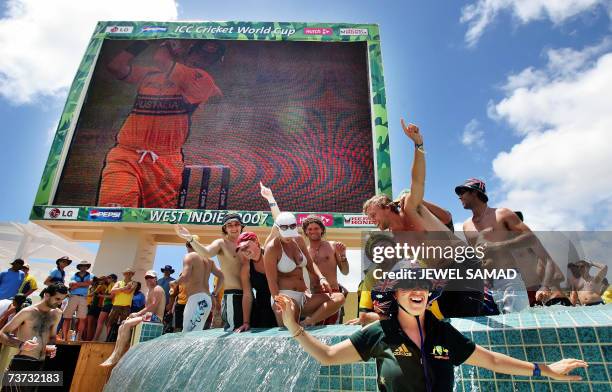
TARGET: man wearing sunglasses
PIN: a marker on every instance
(152, 312)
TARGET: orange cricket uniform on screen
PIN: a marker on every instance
(144, 169)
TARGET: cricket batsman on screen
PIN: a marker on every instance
(144, 168)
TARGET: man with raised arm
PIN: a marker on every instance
(155, 305)
(587, 289)
(225, 250)
(33, 330)
(413, 222)
(194, 277)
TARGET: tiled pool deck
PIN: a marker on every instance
(541, 335)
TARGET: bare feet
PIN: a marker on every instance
(111, 361)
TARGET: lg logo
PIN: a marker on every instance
(61, 213)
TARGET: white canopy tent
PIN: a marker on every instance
(39, 248)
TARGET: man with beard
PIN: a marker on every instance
(413, 223)
(225, 250)
(329, 256)
(510, 244)
(33, 330)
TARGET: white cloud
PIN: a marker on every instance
(42, 42)
(558, 174)
(480, 14)
(472, 135)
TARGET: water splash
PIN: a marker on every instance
(197, 362)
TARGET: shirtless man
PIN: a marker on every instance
(194, 277)
(329, 256)
(33, 330)
(225, 250)
(155, 305)
(507, 240)
(412, 221)
(586, 289)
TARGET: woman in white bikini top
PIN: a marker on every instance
(282, 270)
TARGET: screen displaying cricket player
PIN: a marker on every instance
(199, 123)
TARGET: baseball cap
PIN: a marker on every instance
(473, 184)
(286, 224)
(244, 239)
(151, 273)
(128, 270)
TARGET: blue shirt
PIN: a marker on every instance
(57, 276)
(10, 281)
(138, 302)
(165, 284)
(80, 290)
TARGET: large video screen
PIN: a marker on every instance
(199, 123)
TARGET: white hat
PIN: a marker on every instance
(151, 273)
(287, 221)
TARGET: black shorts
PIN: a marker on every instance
(463, 298)
(231, 309)
(178, 315)
(93, 310)
(23, 363)
(595, 303)
(107, 308)
(262, 315)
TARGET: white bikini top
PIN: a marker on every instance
(286, 264)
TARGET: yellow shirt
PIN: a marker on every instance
(30, 282)
(607, 296)
(182, 295)
(123, 298)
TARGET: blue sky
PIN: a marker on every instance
(508, 92)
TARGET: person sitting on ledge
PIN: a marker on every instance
(155, 304)
(585, 288)
(288, 264)
(415, 351)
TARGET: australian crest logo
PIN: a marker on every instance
(440, 352)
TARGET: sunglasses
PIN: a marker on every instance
(411, 284)
(149, 277)
(287, 227)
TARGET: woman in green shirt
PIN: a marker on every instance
(415, 351)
